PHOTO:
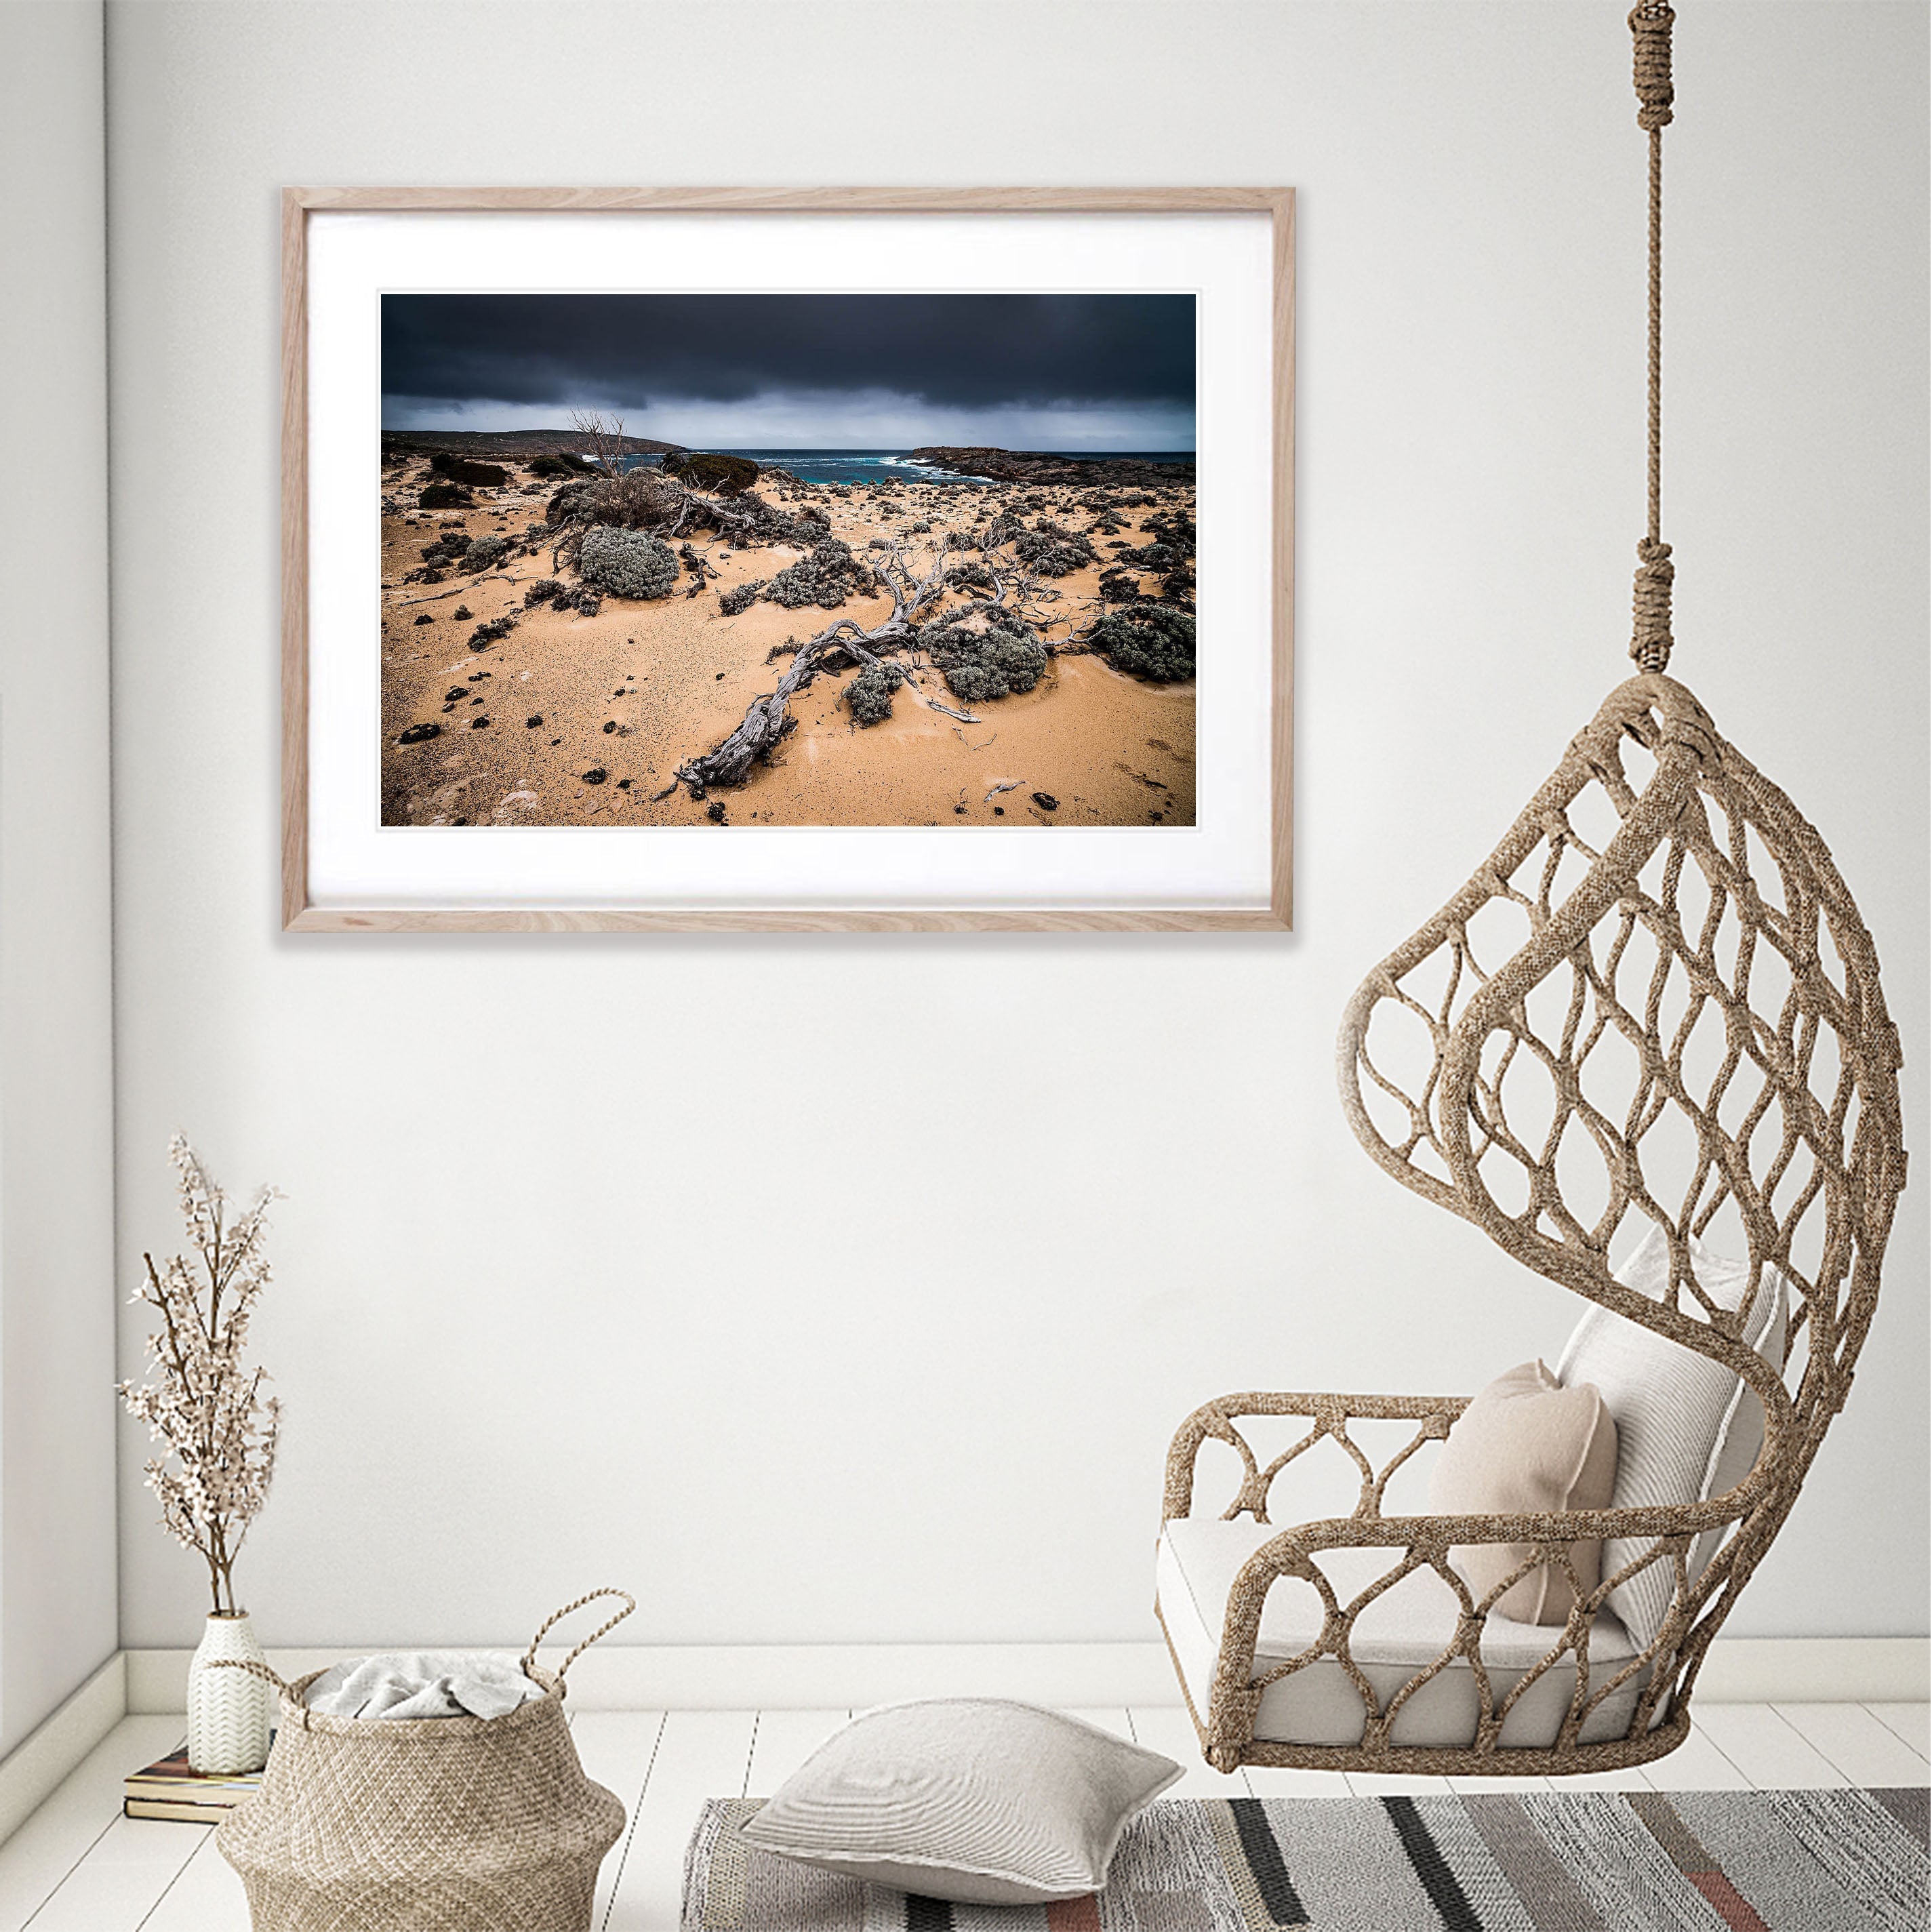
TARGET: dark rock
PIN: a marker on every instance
(455, 691)
(715, 812)
(531, 723)
(425, 619)
(420, 734)
(1046, 801)
(596, 775)
(478, 724)
(463, 614)
(609, 725)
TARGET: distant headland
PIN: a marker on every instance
(1023, 466)
(511, 445)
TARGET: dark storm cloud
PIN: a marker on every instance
(626, 351)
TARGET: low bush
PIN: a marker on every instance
(980, 665)
(459, 469)
(483, 553)
(739, 599)
(1147, 641)
(484, 635)
(443, 496)
(722, 476)
(870, 694)
(544, 591)
(822, 578)
(627, 563)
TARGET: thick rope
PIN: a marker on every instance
(1650, 641)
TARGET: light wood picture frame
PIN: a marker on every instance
(332, 632)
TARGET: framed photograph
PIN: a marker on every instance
(788, 560)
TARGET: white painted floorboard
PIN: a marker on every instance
(1766, 1749)
(77, 1866)
(1912, 1722)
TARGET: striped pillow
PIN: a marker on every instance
(1688, 1429)
(971, 1800)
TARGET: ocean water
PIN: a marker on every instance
(873, 466)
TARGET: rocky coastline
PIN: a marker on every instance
(1023, 466)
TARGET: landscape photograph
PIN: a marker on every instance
(719, 560)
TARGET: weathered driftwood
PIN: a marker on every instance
(756, 734)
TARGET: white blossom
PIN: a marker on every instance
(219, 1430)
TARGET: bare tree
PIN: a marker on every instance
(605, 435)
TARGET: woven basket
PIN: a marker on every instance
(438, 1825)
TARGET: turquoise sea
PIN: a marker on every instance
(872, 466)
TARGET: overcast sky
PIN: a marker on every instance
(1018, 372)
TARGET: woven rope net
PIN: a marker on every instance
(1654, 1005)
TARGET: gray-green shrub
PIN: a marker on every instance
(627, 563)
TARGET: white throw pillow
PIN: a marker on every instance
(1688, 1429)
(972, 1800)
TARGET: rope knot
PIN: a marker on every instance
(1650, 640)
(1650, 25)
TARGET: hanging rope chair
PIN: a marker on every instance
(1654, 1008)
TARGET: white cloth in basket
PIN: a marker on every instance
(422, 1684)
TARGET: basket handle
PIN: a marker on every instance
(254, 1669)
(630, 1604)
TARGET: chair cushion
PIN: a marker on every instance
(971, 1799)
(1403, 1631)
(1527, 1445)
(1688, 1429)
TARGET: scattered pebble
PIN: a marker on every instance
(609, 725)
(530, 723)
(596, 775)
(477, 724)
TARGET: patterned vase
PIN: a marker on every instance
(229, 1712)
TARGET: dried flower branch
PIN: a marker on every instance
(219, 1429)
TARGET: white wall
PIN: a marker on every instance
(890, 1348)
(57, 1504)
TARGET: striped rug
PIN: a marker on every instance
(1565, 1861)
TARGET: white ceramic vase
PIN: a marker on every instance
(229, 1712)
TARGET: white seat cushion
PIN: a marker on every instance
(1688, 1429)
(1403, 1630)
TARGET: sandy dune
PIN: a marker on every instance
(525, 724)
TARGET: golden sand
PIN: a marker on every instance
(639, 688)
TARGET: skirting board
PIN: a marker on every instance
(41, 1764)
(760, 1677)
(1740, 1670)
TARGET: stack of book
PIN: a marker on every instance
(171, 1790)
